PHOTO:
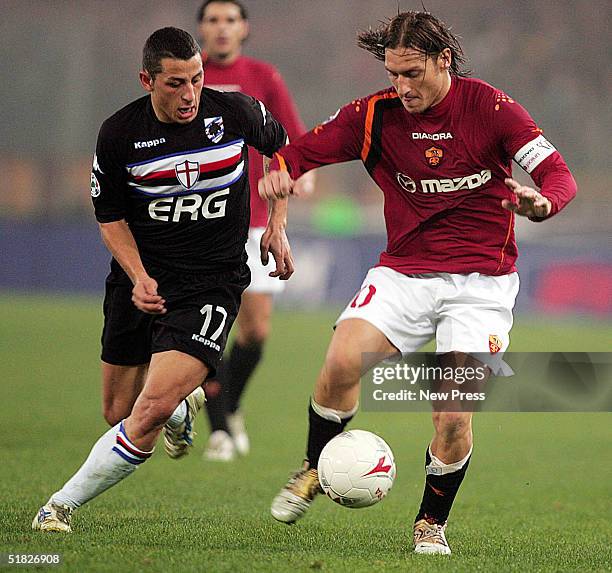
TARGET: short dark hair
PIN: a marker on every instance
(420, 31)
(167, 43)
(243, 11)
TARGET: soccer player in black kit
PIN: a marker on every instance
(171, 195)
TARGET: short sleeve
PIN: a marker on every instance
(108, 181)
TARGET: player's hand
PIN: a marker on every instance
(530, 203)
(305, 184)
(274, 240)
(275, 185)
(145, 297)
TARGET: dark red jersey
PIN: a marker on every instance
(263, 82)
(441, 172)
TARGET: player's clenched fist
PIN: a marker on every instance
(275, 185)
(145, 297)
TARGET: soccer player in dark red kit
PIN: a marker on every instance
(223, 27)
(440, 146)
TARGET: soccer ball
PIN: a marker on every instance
(356, 469)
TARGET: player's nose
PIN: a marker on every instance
(404, 87)
(188, 94)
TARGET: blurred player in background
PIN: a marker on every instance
(440, 146)
(171, 196)
(223, 27)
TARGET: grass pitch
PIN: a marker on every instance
(537, 496)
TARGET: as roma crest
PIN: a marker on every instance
(434, 156)
(495, 344)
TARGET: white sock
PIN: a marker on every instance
(438, 467)
(333, 415)
(178, 417)
(112, 459)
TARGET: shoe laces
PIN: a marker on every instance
(63, 512)
(305, 482)
(431, 532)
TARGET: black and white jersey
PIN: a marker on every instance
(183, 188)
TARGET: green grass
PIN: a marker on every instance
(537, 496)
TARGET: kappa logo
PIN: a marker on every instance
(150, 143)
(405, 182)
(214, 129)
(187, 173)
(495, 343)
(434, 156)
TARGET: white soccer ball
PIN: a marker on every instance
(356, 469)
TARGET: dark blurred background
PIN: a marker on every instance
(68, 65)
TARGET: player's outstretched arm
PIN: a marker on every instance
(274, 240)
(120, 242)
(530, 203)
(275, 185)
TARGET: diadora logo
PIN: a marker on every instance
(150, 143)
(433, 136)
(194, 206)
(468, 182)
(380, 467)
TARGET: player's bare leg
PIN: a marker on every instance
(228, 432)
(446, 462)
(171, 377)
(121, 386)
(334, 403)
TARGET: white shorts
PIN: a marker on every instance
(261, 283)
(465, 313)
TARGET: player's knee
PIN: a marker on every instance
(340, 371)
(451, 425)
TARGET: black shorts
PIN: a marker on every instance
(201, 309)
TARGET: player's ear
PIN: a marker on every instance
(445, 59)
(146, 81)
(245, 30)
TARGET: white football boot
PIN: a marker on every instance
(220, 448)
(53, 517)
(235, 423)
(178, 441)
(293, 501)
(429, 538)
